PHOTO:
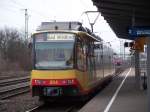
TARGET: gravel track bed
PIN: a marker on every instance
(19, 103)
(58, 107)
(25, 102)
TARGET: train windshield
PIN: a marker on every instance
(54, 54)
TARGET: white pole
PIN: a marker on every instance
(26, 24)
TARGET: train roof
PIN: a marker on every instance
(59, 26)
(74, 26)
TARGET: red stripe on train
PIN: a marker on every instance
(54, 82)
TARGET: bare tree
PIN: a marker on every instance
(14, 49)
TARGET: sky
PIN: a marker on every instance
(13, 15)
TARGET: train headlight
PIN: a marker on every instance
(69, 81)
(64, 82)
(39, 82)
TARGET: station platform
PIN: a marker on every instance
(121, 95)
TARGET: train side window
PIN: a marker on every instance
(80, 55)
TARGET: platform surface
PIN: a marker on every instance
(121, 95)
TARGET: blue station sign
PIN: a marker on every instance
(135, 32)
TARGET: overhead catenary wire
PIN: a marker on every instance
(10, 7)
(84, 4)
(21, 6)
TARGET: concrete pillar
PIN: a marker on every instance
(148, 72)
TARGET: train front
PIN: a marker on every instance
(53, 74)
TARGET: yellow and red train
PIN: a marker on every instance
(68, 61)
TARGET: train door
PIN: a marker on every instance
(81, 58)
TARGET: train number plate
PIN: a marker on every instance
(52, 91)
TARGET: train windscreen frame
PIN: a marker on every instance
(54, 50)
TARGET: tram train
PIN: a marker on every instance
(69, 61)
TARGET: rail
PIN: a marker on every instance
(12, 87)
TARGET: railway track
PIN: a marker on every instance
(46, 109)
(11, 74)
(13, 86)
(57, 107)
(5, 77)
(11, 81)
